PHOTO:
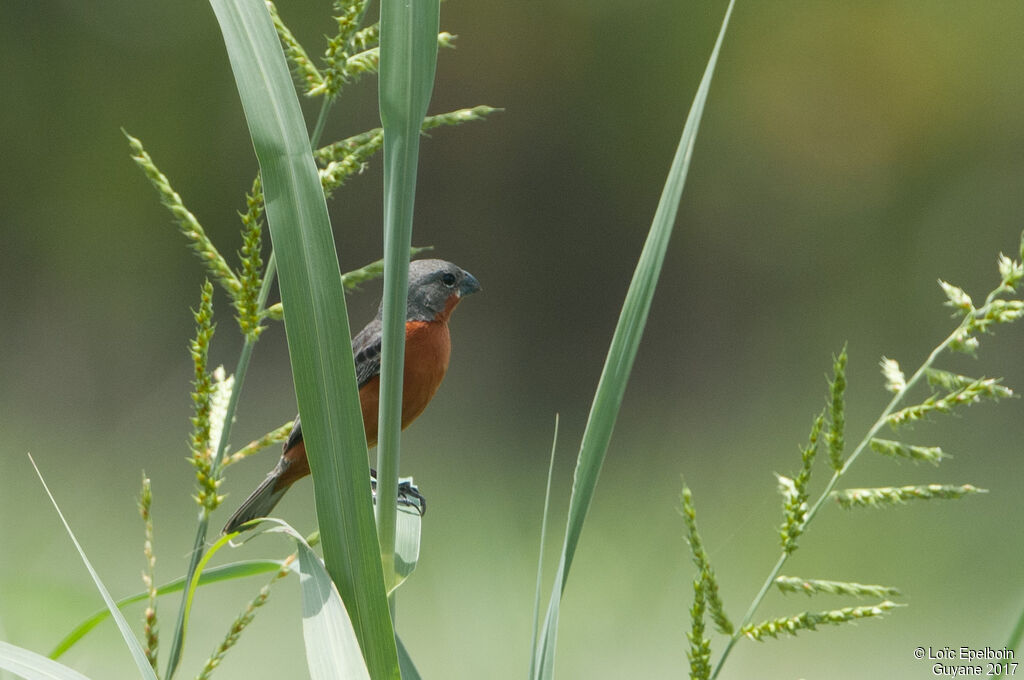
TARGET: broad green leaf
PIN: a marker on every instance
(31, 666)
(407, 546)
(619, 362)
(408, 59)
(224, 572)
(316, 324)
(540, 553)
(138, 654)
(332, 649)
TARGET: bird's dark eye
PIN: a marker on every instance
(448, 279)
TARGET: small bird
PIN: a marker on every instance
(435, 288)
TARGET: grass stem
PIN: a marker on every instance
(878, 425)
(199, 544)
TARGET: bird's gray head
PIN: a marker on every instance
(435, 287)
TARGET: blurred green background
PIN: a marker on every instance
(851, 154)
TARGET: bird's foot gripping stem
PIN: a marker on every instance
(408, 493)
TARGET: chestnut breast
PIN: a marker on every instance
(428, 347)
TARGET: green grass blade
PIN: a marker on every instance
(408, 59)
(138, 654)
(332, 649)
(621, 353)
(31, 666)
(224, 572)
(540, 554)
(1012, 642)
(195, 555)
(407, 545)
(409, 671)
(316, 325)
(193, 584)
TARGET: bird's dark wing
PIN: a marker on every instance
(295, 437)
(366, 351)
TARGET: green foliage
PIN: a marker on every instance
(247, 302)
(957, 298)
(332, 646)
(959, 391)
(707, 579)
(791, 625)
(138, 653)
(341, 160)
(947, 380)
(276, 436)
(887, 447)
(895, 381)
(699, 652)
(793, 584)
(203, 392)
(892, 495)
(295, 188)
(351, 53)
(837, 411)
(297, 177)
(202, 385)
(971, 393)
(316, 323)
(215, 263)
(794, 491)
(223, 572)
(408, 532)
(149, 622)
(1013, 640)
(619, 362)
(306, 73)
(540, 551)
(408, 60)
(27, 664)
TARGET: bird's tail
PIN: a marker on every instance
(259, 503)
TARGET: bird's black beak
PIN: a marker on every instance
(469, 285)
